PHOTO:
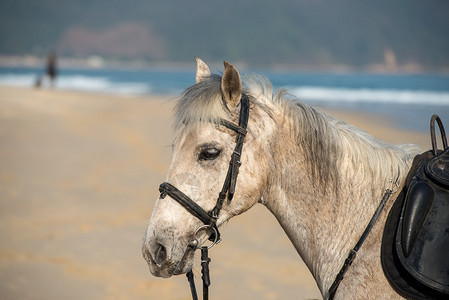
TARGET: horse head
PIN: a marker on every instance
(202, 151)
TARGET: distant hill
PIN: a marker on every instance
(314, 33)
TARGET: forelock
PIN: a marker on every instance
(202, 102)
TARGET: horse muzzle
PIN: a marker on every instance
(162, 259)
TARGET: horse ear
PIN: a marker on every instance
(202, 70)
(231, 85)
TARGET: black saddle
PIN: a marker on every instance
(415, 243)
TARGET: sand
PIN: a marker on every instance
(78, 178)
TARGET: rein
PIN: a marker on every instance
(352, 254)
(210, 218)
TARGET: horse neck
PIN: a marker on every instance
(324, 220)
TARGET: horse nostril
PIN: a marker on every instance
(160, 254)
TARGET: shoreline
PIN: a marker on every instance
(79, 177)
(98, 62)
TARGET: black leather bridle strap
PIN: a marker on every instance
(193, 208)
(228, 188)
(232, 126)
(353, 252)
(205, 260)
(168, 189)
(191, 280)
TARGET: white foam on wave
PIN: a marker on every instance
(104, 84)
(79, 83)
(22, 80)
(308, 93)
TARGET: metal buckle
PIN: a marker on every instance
(214, 216)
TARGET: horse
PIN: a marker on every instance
(320, 177)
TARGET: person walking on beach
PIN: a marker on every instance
(51, 71)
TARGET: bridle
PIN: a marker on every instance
(210, 218)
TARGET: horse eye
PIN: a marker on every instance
(209, 154)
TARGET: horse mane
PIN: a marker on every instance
(326, 142)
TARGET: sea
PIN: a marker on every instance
(409, 100)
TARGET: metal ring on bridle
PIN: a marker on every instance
(394, 185)
(207, 227)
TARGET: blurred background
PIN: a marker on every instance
(408, 35)
(352, 54)
(85, 90)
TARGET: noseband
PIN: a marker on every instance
(210, 218)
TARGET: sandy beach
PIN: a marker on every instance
(79, 174)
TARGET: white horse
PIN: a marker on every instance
(320, 177)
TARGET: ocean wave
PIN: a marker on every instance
(79, 83)
(106, 84)
(342, 95)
